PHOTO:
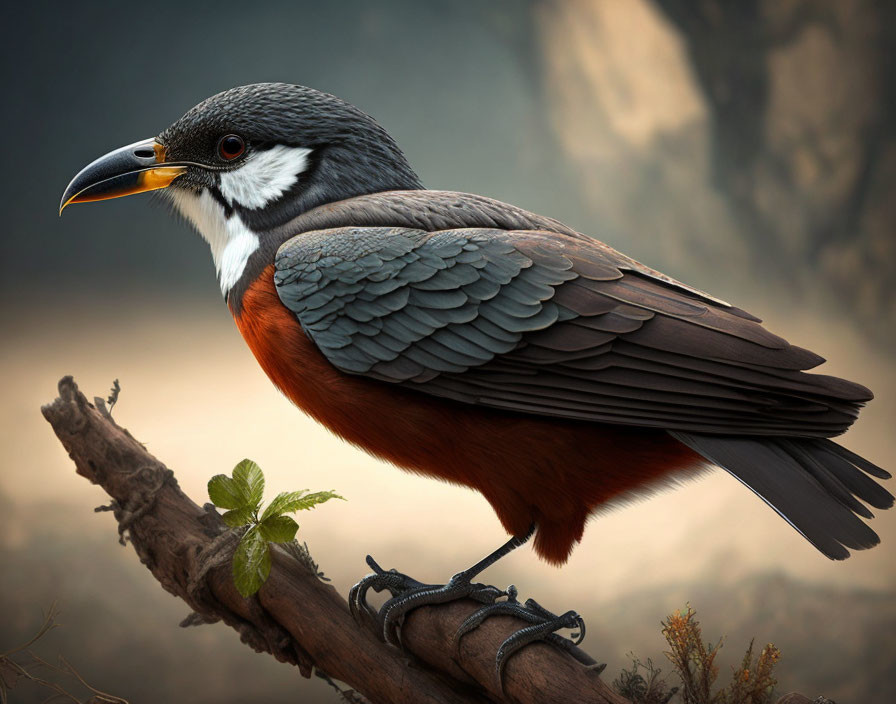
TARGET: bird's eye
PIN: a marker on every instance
(231, 146)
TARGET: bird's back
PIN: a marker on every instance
(633, 381)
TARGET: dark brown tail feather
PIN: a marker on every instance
(813, 484)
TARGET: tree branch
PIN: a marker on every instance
(296, 617)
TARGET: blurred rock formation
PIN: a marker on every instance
(755, 138)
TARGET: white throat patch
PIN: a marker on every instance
(231, 242)
(265, 176)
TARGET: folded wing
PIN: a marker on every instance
(542, 323)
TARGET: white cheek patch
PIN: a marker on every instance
(231, 242)
(265, 176)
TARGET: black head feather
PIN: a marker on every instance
(351, 154)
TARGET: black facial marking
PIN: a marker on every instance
(216, 194)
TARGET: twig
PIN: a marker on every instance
(11, 671)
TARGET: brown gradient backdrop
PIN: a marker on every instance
(759, 172)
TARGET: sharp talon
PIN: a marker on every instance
(544, 624)
(378, 581)
(580, 636)
(391, 580)
(517, 641)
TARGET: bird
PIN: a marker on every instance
(466, 339)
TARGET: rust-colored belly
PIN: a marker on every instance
(531, 469)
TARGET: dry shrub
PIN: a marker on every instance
(694, 661)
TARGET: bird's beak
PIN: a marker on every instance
(132, 169)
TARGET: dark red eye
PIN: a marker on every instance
(231, 146)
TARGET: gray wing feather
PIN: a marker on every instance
(544, 323)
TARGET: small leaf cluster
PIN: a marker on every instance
(241, 495)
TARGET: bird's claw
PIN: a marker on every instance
(544, 624)
(391, 580)
(408, 594)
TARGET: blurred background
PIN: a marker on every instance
(747, 148)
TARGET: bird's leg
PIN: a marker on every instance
(408, 594)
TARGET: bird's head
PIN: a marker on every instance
(248, 160)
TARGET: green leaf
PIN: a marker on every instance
(290, 502)
(226, 493)
(238, 517)
(300, 501)
(251, 562)
(312, 500)
(278, 529)
(281, 503)
(251, 479)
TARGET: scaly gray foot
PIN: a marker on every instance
(408, 594)
(544, 626)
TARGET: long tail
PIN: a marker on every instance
(813, 484)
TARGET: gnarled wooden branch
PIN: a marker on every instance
(296, 617)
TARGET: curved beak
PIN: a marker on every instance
(136, 168)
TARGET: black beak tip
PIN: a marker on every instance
(66, 197)
(110, 173)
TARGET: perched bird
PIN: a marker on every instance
(469, 340)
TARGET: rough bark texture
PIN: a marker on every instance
(296, 617)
